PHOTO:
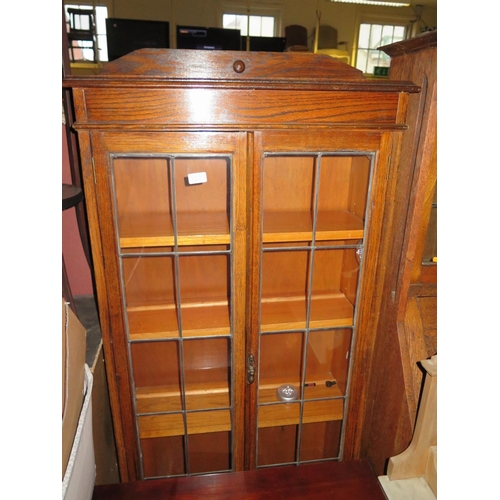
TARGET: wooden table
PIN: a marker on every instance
(352, 480)
(71, 196)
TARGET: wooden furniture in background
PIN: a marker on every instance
(73, 149)
(407, 328)
(82, 28)
(296, 38)
(415, 469)
(236, 206)
(419, 459)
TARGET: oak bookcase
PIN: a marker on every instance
(236, 204)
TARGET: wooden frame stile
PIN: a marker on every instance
(252, 341)
(368, 308)
(90, 180)
(360, 406)
(240, 224)
(130, 462)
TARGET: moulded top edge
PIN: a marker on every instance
(158, 67)
(134, 81)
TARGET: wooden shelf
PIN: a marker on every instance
(216, 395)
(289, 313)
(207, 228)
(156, 230)
(289, 413)
(268, 386)
(167, 397)
(297, 226)
(203, 422)
(198, 320)
(211, 318)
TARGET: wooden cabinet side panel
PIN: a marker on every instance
(395, 383)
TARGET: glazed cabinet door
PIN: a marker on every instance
(311, 217)
(175, 206)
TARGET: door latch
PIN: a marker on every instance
(251, 369)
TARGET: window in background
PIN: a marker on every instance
(101, 13)
(372, 36)
(259, 25)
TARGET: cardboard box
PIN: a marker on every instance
(79, 479)
(73, 376)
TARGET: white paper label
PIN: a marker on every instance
(197, 178)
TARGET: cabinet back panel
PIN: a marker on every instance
(207, 360)
(156, 364)
(285, 273)
(358, 186)
(281, 357)
(277, 445)
(204, 277)
(328, 352)
(163, 456)
(288, 183)
(142, 186)
(209, 452)
(320, 440)
(210, 196)
(148, 280)
(327, 271)
(334, 182)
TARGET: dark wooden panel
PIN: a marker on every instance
(332, 480)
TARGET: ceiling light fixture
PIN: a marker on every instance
(383, 3)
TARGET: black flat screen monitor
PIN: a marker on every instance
(264, 43)
(195, 37)
(126, 35)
